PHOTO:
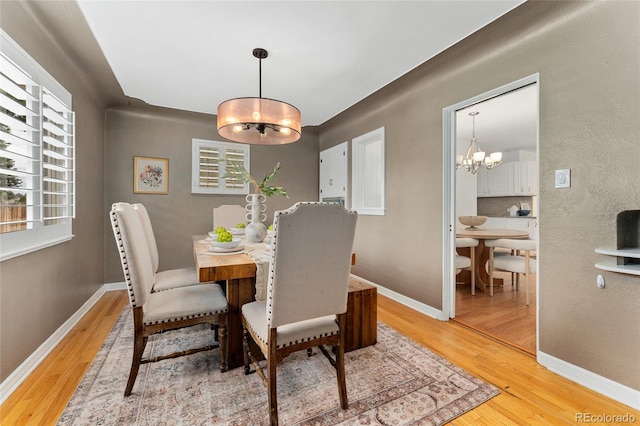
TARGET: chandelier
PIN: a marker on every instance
(259, 120)
(475, 157)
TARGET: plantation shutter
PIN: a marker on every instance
(19, 148)
(58, 195)
(209, 166)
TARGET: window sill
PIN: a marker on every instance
(34, 247)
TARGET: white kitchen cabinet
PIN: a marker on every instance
(525, 178)
(508, 179)
(517, 223)
(496, 182)
(522, 224)
(333, 171)
(495, 223)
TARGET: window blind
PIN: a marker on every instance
(19, 147)
(210, 162)
(37, 155)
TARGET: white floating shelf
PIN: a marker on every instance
(612, 264)
(623, 252)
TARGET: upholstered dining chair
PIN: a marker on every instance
(306, 292)
(228, 216)
(517, 260)
(169, 278)
(464, 262)
(155, 312)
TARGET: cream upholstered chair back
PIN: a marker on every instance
(166, 279)
(134, 253)
(228, 216)
(464, 262)
(145, 221)
(310, 263)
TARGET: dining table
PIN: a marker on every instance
(239, 272)
(482, 251)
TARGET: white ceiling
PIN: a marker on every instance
(505, 123)
(324, 56)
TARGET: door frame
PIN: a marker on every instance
(449, 189)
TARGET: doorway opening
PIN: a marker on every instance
(506, 121)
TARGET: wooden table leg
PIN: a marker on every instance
(239, 292)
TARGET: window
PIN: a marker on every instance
(368, 173)
(37, 155)
(208, 167)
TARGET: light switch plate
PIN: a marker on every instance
(563, 178)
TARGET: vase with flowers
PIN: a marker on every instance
(256, 231)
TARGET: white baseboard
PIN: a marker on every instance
(11, 383)
(407, 301)
(593, 381)
(600, 384)
(115, 286)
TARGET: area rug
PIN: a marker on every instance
(395, 382)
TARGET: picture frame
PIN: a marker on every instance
(150, 175)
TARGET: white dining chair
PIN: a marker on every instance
(228, 216)
(307, 289)
(464, 262)
(171, 309)
(517, 260)
(169, 278)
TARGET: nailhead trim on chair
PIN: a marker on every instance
(123, 259)
(186, 317)
(290, 343)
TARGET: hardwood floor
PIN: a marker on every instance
(530, 394)
(505, 316)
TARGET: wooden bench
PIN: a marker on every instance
(362, 315)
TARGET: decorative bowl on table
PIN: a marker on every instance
(472, 222)
(524, 212)
(227, 244)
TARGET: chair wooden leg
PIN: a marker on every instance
(527, 275)
(491, 271)
(222, 339)
(139, 343)
(342, 386)
(473, 271)
(271, 374)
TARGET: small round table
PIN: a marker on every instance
(482, 252)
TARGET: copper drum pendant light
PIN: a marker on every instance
(259, 120)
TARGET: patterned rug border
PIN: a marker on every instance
(443, 414)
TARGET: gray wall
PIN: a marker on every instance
(587, 57)
(166, 133)
(41, 290)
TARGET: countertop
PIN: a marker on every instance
(515, 217)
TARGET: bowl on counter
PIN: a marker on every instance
(524, 212)
(472, 221)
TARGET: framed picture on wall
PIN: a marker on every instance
(150, 175)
